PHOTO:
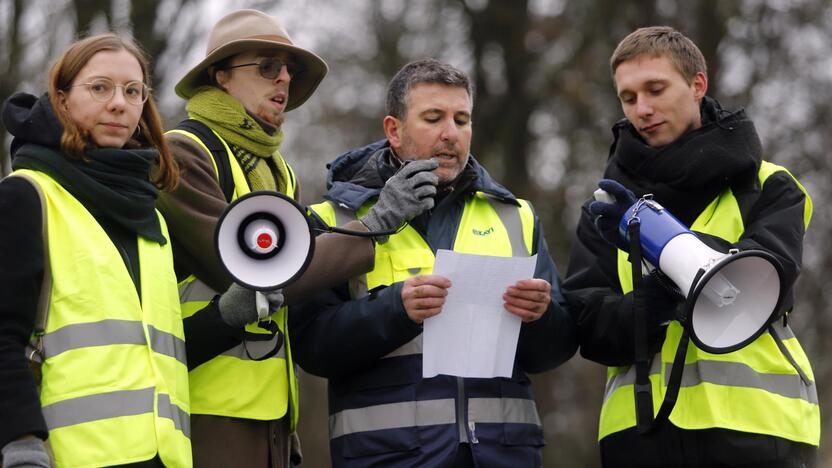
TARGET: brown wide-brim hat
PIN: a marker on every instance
(245, 30)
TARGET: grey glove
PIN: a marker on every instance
(28, 452)
(238, 305)
(406, 195)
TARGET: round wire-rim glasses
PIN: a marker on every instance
(103, 89)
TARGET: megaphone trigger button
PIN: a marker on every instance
(264, 240)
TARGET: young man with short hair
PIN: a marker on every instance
(754, 407)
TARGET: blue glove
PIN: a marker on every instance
(608, 215)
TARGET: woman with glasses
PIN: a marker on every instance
(86, 274)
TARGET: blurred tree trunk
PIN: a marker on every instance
(144, 17)
(9, 80)
(143, 21)
(501, 115)
(87, 10)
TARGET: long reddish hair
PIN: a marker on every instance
(74, 140)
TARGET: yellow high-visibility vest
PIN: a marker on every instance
(232, 384)
(755, 389)
(114, 384)
(487, 227)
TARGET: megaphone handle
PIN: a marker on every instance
(262, 305)
(602, 195)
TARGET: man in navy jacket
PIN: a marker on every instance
(366, 336)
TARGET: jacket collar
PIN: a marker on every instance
(359, 174)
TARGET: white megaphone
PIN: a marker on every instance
(731, 298)
(264, 241)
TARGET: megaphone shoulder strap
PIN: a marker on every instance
(775, 334)
(642, 391)
(674, 383)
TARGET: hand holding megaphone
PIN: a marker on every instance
(612, 200)
(239, 305)
(730, 297)
(405, 195)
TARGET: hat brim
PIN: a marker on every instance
(303, 84)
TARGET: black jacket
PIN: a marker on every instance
(21, 275)
(773, 216)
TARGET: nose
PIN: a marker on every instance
(284, 74)
(643, 107)
(117, 102)
(450, 131)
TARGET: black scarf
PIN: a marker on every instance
(114, 184)
(688, 174)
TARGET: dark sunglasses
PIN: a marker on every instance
(269, 68)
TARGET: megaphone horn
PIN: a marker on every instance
(264, 240)
(731, 298)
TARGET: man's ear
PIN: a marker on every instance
(700, 85)
(392, 130)
(221, 78)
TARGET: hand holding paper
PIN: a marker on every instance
(528, 299)
(476, 335)
(423, 296)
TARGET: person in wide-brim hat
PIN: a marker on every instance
(244, 404)
(245, 30)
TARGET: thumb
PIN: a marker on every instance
(416, 166)
(275, 299)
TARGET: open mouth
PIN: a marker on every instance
(279, 99)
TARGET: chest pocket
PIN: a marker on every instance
(398, 265)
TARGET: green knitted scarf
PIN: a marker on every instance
(255, 150)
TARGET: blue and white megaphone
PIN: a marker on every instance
(731, 298)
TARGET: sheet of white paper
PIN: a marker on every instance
(474, 336)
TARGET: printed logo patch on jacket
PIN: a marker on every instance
(482, 233)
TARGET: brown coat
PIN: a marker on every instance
(192, 211)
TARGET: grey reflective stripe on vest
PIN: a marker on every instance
(510, 217)
(392, 416)
(83, 335)
(736, 374)
(629, 378)
(195, 290)
(167, 344)
(358, 284)
(503, 411)
(413, 346)
(168, 410)
(96, 407)
(256, 349)
(731, 374)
